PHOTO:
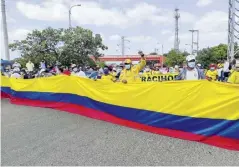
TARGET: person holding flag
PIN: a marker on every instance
(131, 73)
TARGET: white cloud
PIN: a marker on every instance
(140, 39)
(116, 1)
(215, 21)
(186, 17)
(135, 39)
(47, 11)
(202, 3)
(10, 20)
(18, 34)
(114, 37)
(212, 30)
(94, 13)
(165, 32)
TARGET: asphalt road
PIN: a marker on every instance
(38, 136)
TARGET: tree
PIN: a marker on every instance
(64, 45)
(174, 58)
(185, 53)
(214, 54)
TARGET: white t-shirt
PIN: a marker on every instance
(30, 66)
(16, 75)
(219, 72)
(81, 74)
(78, 74)
(226, 67)
(192, 75)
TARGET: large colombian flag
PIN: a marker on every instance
(202, 111)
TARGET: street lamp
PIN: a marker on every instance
(70, 13)
(162, 54)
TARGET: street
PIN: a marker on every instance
(39, 136)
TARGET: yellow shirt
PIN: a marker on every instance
(113, 74)
(145, 74)
(156, 72)
(220, 65)
(107, 77)
(133, 73)
(212, 74)
(234, 77)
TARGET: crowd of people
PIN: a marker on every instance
(223, 71)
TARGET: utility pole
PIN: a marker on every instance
(122, 45)
(193, 51)
(5, 33)
(176, 39)
(233, 32)
(197, 41)
(123, 40)
(156, 50)
(162, 53)
(162, 56)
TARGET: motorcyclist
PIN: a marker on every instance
(130, 72)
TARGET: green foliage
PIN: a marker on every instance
(174, 58)
(212, 55)
(64, 45)
(101, 64)
(185, 53)
(205, 56)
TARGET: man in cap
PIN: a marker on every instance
(191, 72)
(130, 72)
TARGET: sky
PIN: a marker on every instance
(147, 24)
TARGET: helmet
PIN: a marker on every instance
(190, 57)
(127, 61)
